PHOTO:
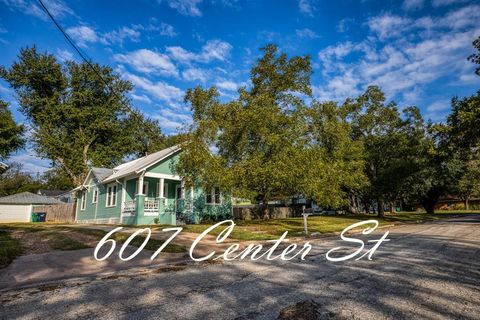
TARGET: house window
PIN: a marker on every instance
(214, 196)
(95, 195)
(83, 201)
(112, 195)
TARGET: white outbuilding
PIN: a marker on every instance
(19, 207)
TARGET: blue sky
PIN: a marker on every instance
(414, 49)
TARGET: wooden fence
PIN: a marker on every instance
(57, 212)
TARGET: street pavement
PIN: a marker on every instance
(425, 271)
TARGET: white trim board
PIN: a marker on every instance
(162, 175)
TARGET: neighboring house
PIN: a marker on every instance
(147, 191)
(19, 207)
(3, 167)
(66, 196)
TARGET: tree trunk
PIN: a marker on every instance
(467, 205)
(381, 208)
(430, 200)
(392, 207)
(352, 204)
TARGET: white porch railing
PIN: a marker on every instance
(151, 205)
(129, 207)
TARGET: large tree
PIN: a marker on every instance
(268, 143)
(80, 116)
(396, 148)
(11, 133)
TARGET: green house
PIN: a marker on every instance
(147, 191)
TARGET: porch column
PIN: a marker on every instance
(140, 184)
(161, 185)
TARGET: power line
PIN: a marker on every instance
(89, 63)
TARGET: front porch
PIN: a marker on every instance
(152, 198)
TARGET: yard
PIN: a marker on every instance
(325, 224)
(32, 238)
(29, 238)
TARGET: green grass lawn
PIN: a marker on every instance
(58, 237)
(325, 224)
(9, 248)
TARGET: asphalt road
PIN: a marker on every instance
(425, 271)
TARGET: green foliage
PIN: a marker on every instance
(11, 138)
(56, 179)
(15, 180)
(475, 58)
(268, 144)
(396, 148)
(77, 118)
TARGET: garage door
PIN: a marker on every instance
(15, 212)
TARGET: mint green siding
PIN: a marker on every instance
(167, 166)
(104, 212)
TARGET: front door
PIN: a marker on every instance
(178, 198)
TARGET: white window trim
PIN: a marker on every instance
(83, 201)
(108, 196)
(95, 195)
(212, 193)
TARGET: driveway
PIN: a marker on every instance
(428, 271)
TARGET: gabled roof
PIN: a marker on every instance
(28, 198)
(51, 193)
(140, 164)
(101, 173)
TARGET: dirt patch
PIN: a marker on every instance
(173, 268)
(305, 310)
(32, 242)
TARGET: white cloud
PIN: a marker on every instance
(30, 162)
(167, 30)
(441, 3)
(148, 61)
(141, 98)
(56, 7)
(410, 5)
(64, 55)
(83, 35)
(405, 64)
(172, 120)
(212, 50)
(120, 35)
(343, 25)
(192, 74)
(388, 25)
(306, 33)
(227, 85)
(185, 7)
(439, 106)
(306, 7)
(160, 90)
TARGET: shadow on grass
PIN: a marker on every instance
(416, 275)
